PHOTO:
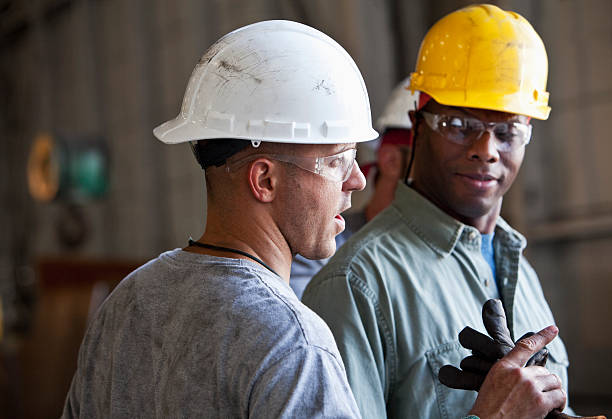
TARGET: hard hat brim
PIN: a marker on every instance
(179, 130)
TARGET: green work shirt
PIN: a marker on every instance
(399, 291)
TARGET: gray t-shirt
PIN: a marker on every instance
(191, 335)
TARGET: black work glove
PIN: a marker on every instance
(486, 351)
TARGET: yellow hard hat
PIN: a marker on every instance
(484, 57)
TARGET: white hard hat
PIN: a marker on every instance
(277, 81)
(400, 102)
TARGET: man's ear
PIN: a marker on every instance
(263, 175)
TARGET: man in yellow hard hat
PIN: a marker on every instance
(398, 292)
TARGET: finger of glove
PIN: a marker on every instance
(476, 364)
(494, 319)
(539, 358)
(453, 377)
(541, 362)
(481, 344)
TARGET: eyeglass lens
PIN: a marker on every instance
(339, 166)
(463, 130)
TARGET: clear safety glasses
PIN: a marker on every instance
(464, 130)
(337, 167)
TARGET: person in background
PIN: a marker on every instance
(392, 149)
(399, 291)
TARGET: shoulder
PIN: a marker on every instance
(284, 319)
(212, 296)
(307, 381)
(388, 244)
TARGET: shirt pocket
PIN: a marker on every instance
(452, 403)
(558, 361)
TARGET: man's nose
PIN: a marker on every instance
(356, 181)
(484, 147)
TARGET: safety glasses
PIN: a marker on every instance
(464, 130)
(337, 167)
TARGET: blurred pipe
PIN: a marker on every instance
(587, 228)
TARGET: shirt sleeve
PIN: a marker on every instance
(350, 310)
(71, 404)
(308, 382)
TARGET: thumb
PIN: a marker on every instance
(527, 347)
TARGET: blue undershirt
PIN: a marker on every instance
(486, 248)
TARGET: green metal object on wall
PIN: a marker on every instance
(68, 169)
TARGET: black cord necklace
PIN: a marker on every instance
(230, 250)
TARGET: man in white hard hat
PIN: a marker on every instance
(213, 329)
(391, 150)
(273, 111)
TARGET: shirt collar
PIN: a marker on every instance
(509, 236)
(441, 231)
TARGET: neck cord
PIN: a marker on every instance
(407, 179)
(230, 250)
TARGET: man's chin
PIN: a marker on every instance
(322, 252)
(477, 208)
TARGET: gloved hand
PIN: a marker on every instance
(486, 351)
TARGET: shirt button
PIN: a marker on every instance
(472, 235)
(486, 282)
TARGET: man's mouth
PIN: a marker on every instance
(478, 180)
(340, 220)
